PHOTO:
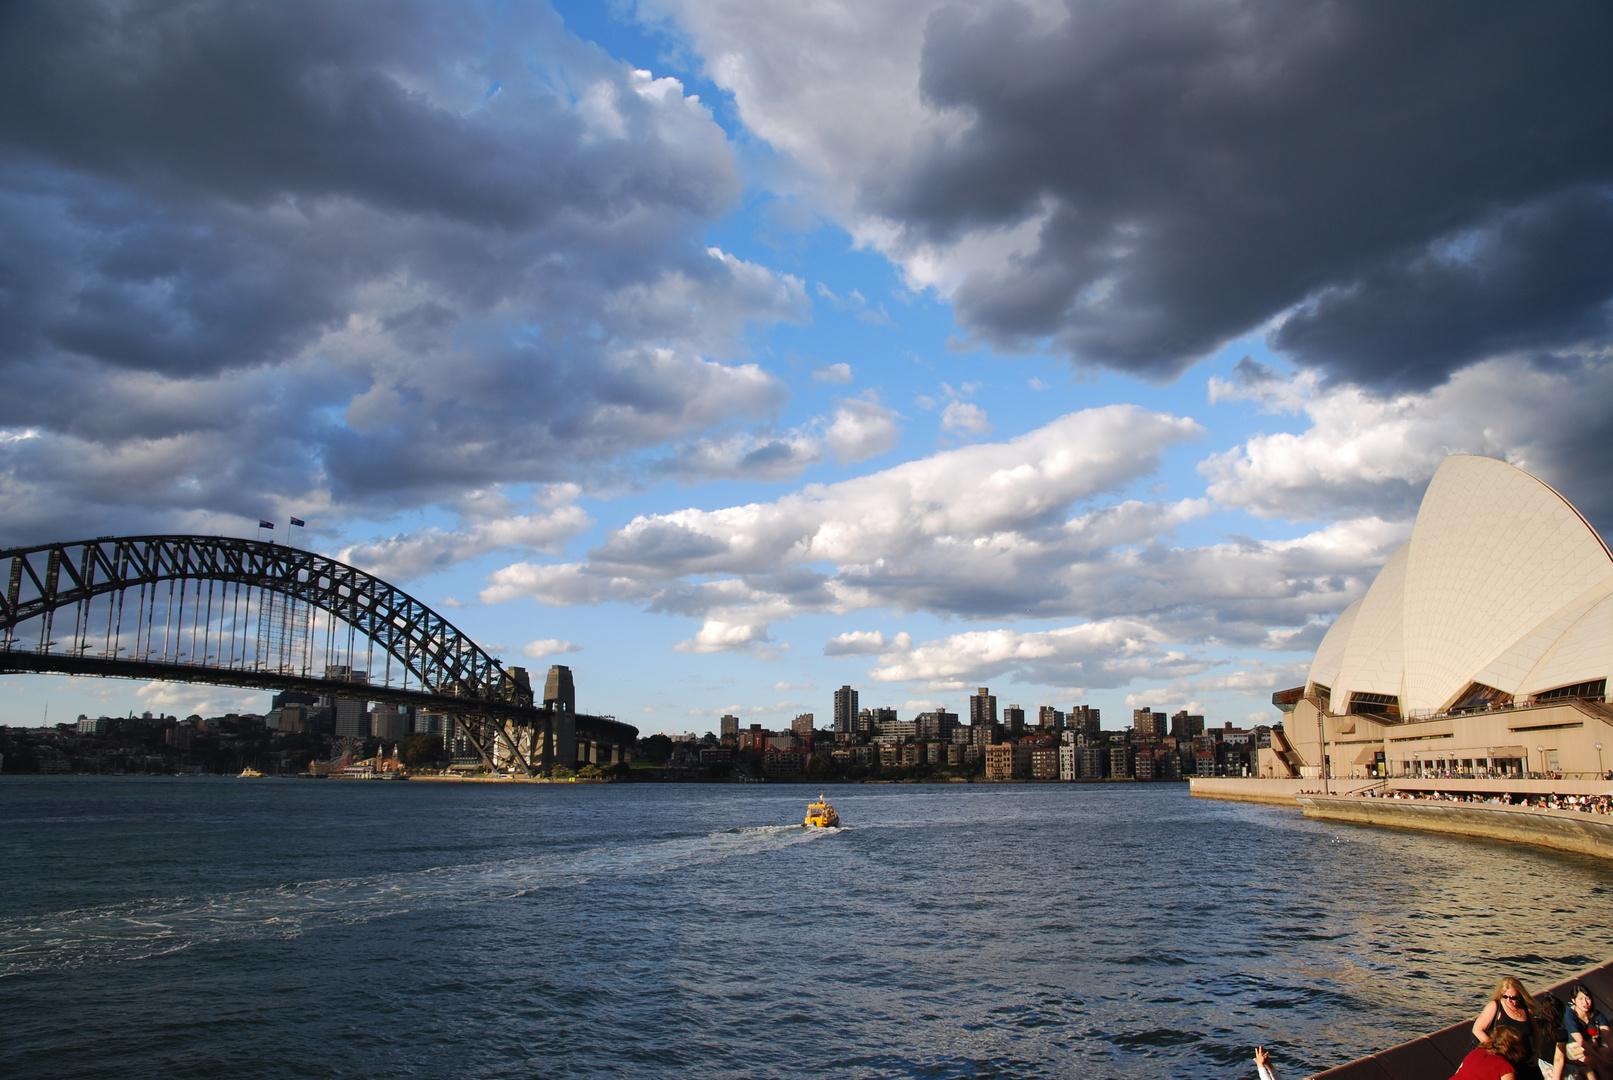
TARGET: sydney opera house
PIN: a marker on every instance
(1483, 648)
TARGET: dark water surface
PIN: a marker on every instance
(236, 928)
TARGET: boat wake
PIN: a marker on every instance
(160, 926)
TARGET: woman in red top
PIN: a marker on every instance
(1498, 1059)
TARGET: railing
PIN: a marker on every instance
(1599, 702)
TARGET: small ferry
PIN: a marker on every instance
(820, 815)
(249, 771)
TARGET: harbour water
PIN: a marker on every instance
(223, 927)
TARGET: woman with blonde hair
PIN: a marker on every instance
(1511, 1007)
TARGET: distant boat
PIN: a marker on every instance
(250, 771)
(820, 815)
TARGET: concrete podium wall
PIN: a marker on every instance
(1565, 830)
(1251, 789)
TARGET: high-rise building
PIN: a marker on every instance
(1049, 717)
(390, 722)
(1185, 725)
(559, 692)
(342, 716)
(729, 726)
(982, 707)
(802, 725)
(939, 724)
(1084, 719)
(1014, 719)
(290, 718)
(1147, 723)
(352, 719)
(845, 714)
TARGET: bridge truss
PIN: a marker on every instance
(231, 612)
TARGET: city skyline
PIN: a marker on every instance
(730, 355)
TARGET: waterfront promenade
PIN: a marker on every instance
(1418, 807)
(1287, 792)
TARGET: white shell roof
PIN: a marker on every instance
(1503, 582)
(1374, 656)
(1330, 653)
(1561, 646)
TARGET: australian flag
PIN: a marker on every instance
(299, 522)
(265, 524)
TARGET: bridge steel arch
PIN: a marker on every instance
(270, 633)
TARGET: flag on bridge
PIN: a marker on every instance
(265, 524)
(299, 522)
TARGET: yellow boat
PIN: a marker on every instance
(820, 815)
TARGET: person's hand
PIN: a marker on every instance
(1262, 1059)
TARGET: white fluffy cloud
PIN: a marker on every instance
(537, 650)
(969, 496)
(1373, 454)
(965, 418)
(1249, 679)
(987, 531)
(746, 455)
(866, 643)
(861, 430)
(412, 555)
(1098, 654)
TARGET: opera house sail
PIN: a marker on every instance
(1483, 648)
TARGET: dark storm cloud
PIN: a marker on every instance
(1433, 177)
(362, 254)
(256, 101)
(1540, 277)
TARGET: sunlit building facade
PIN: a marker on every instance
(1483, 648)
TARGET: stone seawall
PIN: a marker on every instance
(1435, 1056)
(1565, 830)
(1251, 789)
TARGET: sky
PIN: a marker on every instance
(729, 352)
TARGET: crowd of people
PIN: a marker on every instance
(1523, 1037)
(1585, 804)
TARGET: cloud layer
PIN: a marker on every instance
(1030, 528)
(298, 257)
(1137, 183)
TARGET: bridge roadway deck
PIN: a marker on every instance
(1436, 1056)
(598, 728)
(120, 668)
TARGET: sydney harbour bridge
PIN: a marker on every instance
(209, 609)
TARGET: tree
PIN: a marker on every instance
(421, 751)
(656, 749)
